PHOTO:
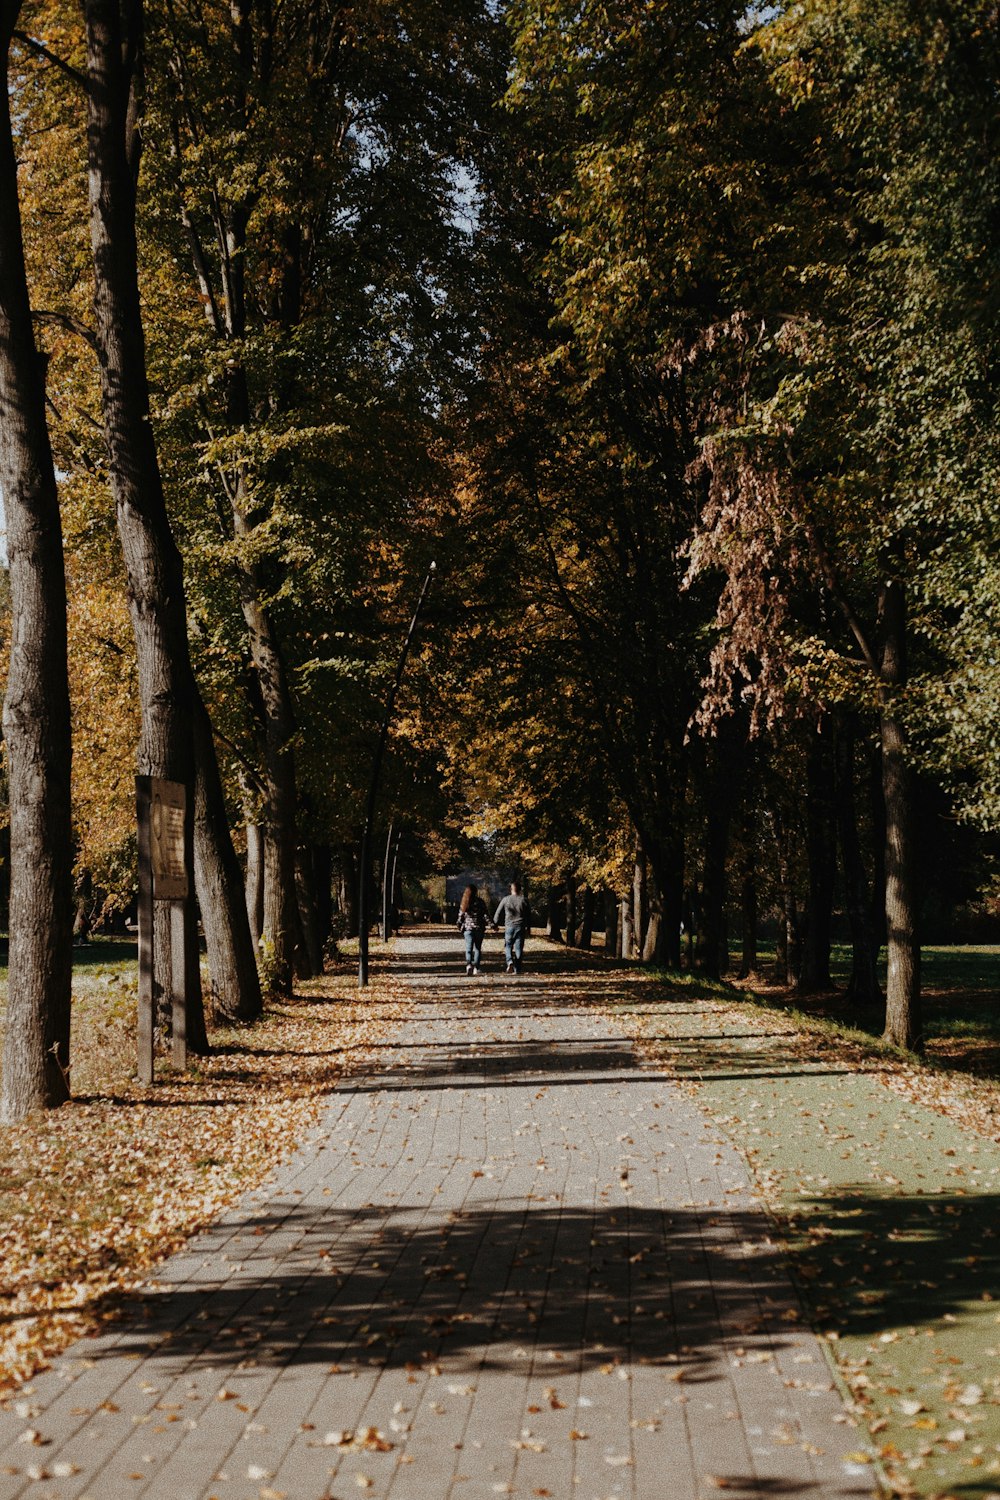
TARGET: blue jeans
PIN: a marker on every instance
(474, 946)
(513, 945)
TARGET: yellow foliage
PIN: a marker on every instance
(105, 708)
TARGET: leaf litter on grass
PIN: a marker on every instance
(885, 1177)
(94, 1194)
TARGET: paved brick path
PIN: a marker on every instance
(513, 1262)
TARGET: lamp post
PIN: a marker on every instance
(366, 838)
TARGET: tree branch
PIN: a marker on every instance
(250, 769)
(832, 584)
(40, 50)
(69, 323)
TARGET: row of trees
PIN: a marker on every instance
(738, 442)
(669, 330)
(242, 373)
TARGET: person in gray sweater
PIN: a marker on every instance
(514, 911)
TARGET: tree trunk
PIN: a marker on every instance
(83, 910)
(780, 975)
(585, 930)
(640, 900)
(347, 898)
(792, 941)
(254, 885)
(279, 871)
(232, 953)
(652, 948)
(627, 928)
(226, 310)
(553, 926)
(570, 935)
(36, 716)
(822, 859)
(903, 1025)
(279, 803)
(864, 988)
(666, 856)
(169, 698)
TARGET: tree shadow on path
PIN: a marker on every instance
(487, 1286)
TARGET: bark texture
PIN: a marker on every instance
(903, 1024)
(640, 900)
(627, 928)
(255, 881)
(36, 718)
(585, 928)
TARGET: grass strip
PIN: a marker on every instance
(885, 1183)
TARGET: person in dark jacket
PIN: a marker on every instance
(514, 911)
(472, 925)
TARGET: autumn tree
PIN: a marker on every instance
(36, 719)
(323, 318)
(844, 470)
(650, 201)
(176, 738)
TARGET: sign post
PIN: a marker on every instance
(165, 828)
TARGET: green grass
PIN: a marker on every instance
(105, 986)
(961, 1002)
(888, 1208)
(104, 956)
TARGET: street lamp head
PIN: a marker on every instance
(433, 568)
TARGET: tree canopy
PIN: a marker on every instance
(668, 331)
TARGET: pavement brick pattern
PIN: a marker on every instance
(512, 1262)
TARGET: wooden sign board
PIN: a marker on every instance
(168, 804)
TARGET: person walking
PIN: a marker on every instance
(515, 913)
(472, 925)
